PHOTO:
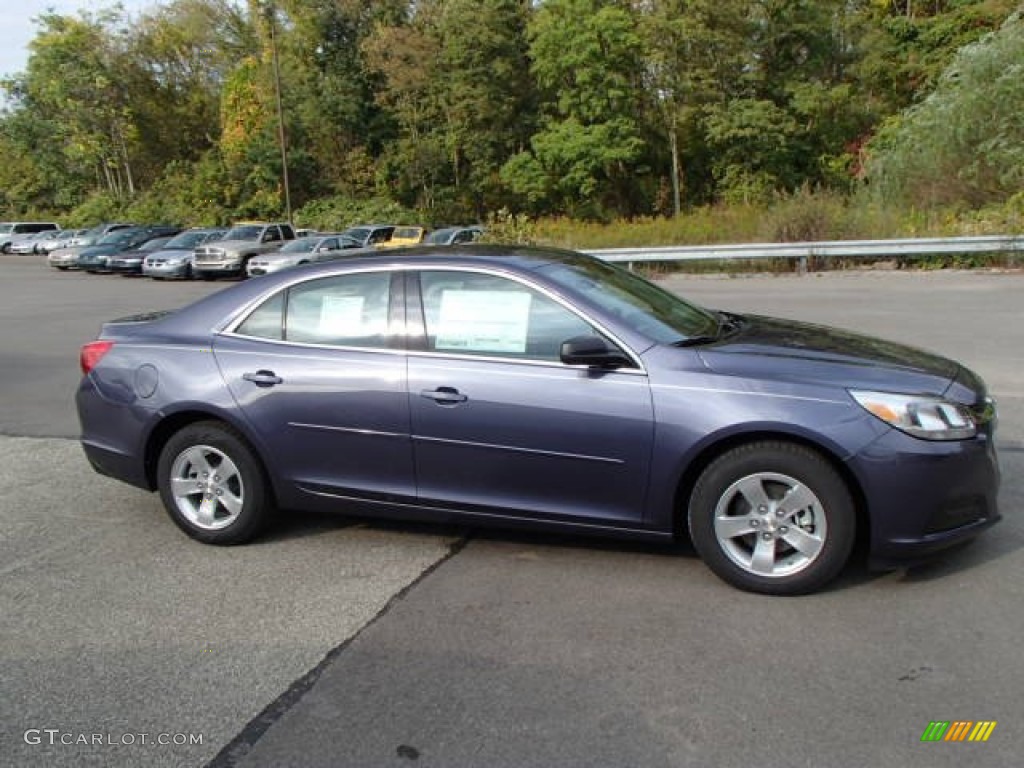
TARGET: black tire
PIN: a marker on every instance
(741, 527)
(232, 502)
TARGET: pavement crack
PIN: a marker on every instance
(240, 746)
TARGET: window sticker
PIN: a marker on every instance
(341, 316)
(483, 321)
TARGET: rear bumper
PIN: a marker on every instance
(108, 433)
(112, 463)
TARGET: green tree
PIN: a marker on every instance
(964, 144)
(584, 159)
(695, 56)
(485, 94)
(331, 90)
(72, 85)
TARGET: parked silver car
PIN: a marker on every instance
(13, 231)
(27, 244)
(454, 235)
(67, 257)
(305, 250)
(174, 260)
(62, 238)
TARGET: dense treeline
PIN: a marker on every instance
(450, 110)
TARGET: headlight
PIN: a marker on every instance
(931, 418)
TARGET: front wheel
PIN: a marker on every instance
(213, 485)
(772, 517)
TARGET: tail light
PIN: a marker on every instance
(92, 353)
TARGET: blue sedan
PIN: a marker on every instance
(544, 389)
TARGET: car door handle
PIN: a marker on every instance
(444, 395)
(263, 378)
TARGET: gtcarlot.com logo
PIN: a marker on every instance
(55, 737)
(958, 730)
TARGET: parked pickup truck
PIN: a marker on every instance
(230, 255)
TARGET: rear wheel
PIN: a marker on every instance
(772, 517)
(213, 485)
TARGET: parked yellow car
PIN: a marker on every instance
(404, 236)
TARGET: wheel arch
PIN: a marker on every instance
(175, 422)
(715, 448)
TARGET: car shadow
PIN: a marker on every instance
(966, 557)
(300, 524)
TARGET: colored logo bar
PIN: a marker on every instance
(958, 730)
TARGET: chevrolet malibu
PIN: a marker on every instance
(542, 389)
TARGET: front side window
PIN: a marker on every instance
(344, 311)
(478, 314)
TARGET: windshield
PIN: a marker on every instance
(249, 232)
(302, 245)
(119, 236)
(357, 233)
(5, 229)
(643, 306)
(155, 244)
(439, 236)
(186, 240)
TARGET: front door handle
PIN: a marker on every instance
(263, 378)
(444, 395)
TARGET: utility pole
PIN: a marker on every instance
(271, 11)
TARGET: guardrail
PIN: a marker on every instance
(827, 249)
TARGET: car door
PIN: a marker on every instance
(325, 247)
(501, 426)
(320, 377)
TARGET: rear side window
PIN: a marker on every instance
(266, 321)
(33, 227)
(343, 311)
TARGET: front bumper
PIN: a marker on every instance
(258, 269)
(125, 268)
(66, 262)
(923, 497)
(217, 268)
(167, 269)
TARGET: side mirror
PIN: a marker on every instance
(593, 351)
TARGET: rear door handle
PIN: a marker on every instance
(263, 378)
(444, 395)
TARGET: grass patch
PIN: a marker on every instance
(802, 217)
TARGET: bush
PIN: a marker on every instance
(333, 214)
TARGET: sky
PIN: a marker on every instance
(18, 28)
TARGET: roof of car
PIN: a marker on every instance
(211, 310)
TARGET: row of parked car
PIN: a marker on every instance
(247, 249)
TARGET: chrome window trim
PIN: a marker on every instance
(229, 327)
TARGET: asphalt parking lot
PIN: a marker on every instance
(339, 642)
